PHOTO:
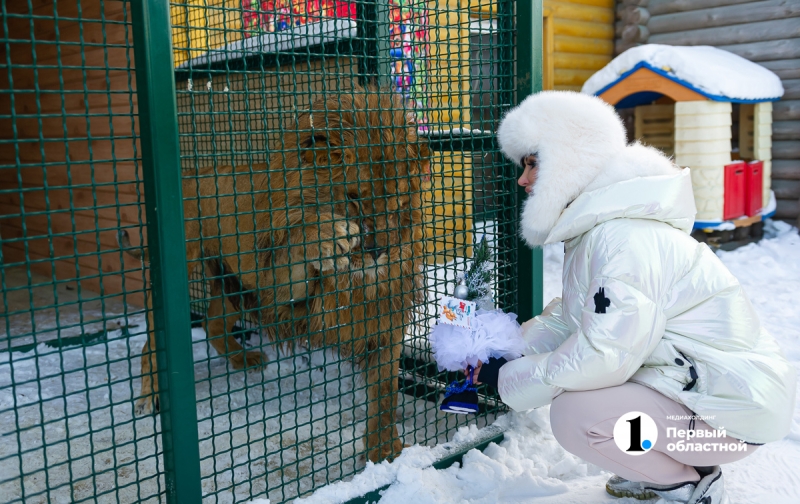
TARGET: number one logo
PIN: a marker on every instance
(636, 435)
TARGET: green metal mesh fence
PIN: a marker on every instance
(334, 162)
(72, 303)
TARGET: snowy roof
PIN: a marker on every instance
(716, 74)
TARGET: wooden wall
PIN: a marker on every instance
(68, 156)
(578, 39)
(766, 32)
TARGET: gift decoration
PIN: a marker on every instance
(470, 329)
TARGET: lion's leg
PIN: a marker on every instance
(148, 401)
(382, 440)
(219, 326)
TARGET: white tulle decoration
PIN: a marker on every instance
(493, 334)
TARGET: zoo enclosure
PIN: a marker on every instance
(90, 139)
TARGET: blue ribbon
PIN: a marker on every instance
(456, 388)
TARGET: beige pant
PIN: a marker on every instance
(583, 422)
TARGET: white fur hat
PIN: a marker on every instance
(574, 136)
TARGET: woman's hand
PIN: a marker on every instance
(491, 373)
(475, 371)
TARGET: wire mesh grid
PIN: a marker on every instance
(69, 181)
(338, 164)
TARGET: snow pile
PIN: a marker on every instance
(528, 463)
(712, 72)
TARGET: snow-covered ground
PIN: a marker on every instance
(298, 423)
(529, 466)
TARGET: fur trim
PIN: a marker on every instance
(574, 136)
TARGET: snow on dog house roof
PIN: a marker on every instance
(644, 73)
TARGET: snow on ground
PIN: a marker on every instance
(291, 427)
(299, 422)
(529, 466)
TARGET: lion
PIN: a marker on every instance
(321, 246)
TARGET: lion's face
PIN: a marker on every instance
(388, 212)
(366, 161)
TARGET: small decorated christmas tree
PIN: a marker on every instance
(478, 278)
(470, 330)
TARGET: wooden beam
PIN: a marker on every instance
(785, 69)
(657, 7)
(786, 189)
(587, 29)
(788, 169)
(549, 64)
(791, 89)
(786, 130)
(571, 77)
(582, 45)
(635, 33)
(647, 80)
(747, 221)
(580, 61)
(786, 149)
(737, 34)
(786, 110)
(632, 14)
(769, 50)
(724, 16)
(487, 10)
(787, 209)
(608, 4)
(569, 10)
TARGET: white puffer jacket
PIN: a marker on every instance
(642, 300)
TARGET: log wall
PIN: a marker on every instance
(766, 32)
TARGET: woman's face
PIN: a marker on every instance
(531, 171)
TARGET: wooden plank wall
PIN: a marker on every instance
(578, 39)
(68, 156)
(655, 125)
(764, 31)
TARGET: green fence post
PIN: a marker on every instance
(169, 278)
(529, 81)
(373, 38)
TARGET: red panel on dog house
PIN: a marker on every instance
(754, 188)
(734, 190)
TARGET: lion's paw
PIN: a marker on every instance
(333, 252)
(388, 451)
(241, 360)
(146, 405)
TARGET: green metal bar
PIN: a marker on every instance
(529, 81)
(373, 37)
(169, 276)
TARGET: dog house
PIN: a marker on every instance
(712, 111)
